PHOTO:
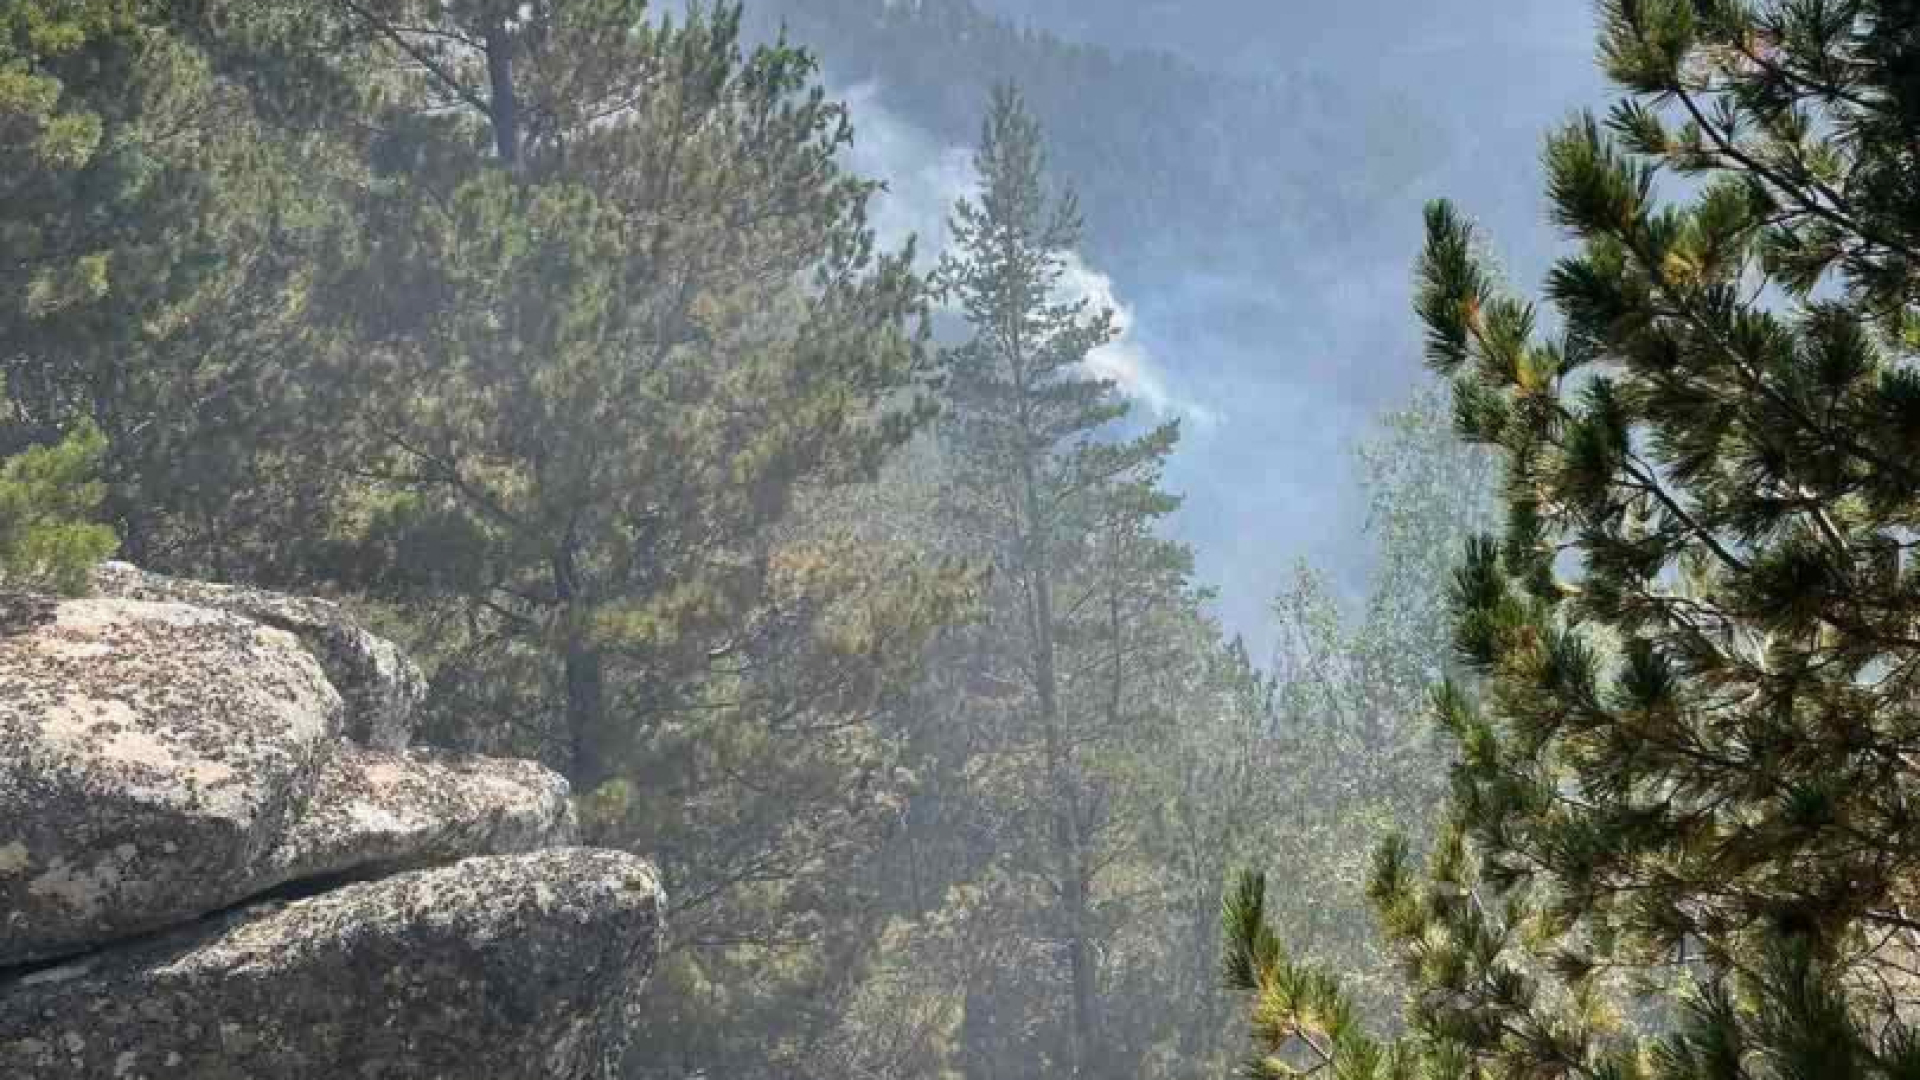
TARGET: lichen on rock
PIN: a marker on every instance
(209, 868)
(501, 968)
(380, 685)
(153, 755)
(377, 811)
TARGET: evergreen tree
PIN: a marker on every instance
(1064, 515)
(50, 535)
(625, 340)
(157, 242)
(1217, 785)
(1302, 765)
(49, 489)
(771, 798)
(1685, 725)
(619, 303)
(1357, 754)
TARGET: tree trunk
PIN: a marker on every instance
(504, 104)
(590, 755)
(584, 676)
(1069, 847)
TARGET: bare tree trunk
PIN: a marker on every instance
(504, 103)
(586, 719)
(584, 680)
(1069, 842)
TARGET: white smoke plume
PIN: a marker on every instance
(925, 178)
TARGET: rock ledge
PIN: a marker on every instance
(219, 859)
(493, 968)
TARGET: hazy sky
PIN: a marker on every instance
(1279, 375)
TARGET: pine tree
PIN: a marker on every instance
(50, 496)
(626, 340)
(1357, 754)
(159, 240)
(771, 798)
(1217, 792)
(1064, 513)
(1685, 732)
(618, 304)
(50, 493)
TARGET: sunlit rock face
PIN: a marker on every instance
(379, 683)
(218, 857)
(151, 758)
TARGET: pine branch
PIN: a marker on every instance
(1807, 202)
(433, 67)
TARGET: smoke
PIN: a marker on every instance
(1126, 360)
(1282, 362)
(924, 179)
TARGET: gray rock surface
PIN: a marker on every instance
(214, 867)
(151, 756)
(380, 684)
(376, 811)
(505, 968)
(160, 761)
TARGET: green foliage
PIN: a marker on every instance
(1686, 686)
(622, 341)
(1025, 879)
(554, 351)
(48, 132)
(1293, 1006)
(1358, 755)
(48, 498)
(620, 316)
(553, 338)
(158, 239)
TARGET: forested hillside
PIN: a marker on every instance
(1251, 269)
(1254, 151)
(850, 578)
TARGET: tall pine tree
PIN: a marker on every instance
(627, 338)
(1064, 512)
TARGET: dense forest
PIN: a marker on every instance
(836, 574)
